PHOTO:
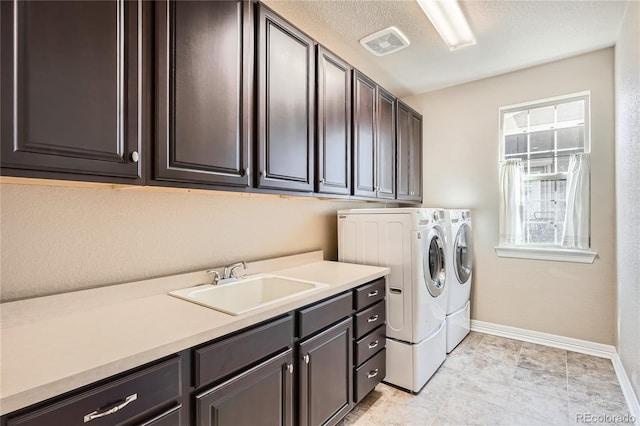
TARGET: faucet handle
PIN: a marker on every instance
(216, 276)
(234, 267)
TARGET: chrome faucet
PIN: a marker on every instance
(230, 270)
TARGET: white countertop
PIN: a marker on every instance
(54, 344)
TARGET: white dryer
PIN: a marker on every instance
(412, 243)
(460, 261)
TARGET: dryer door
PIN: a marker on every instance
(463, 253)
(434, 262)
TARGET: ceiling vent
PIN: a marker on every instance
(385, 41)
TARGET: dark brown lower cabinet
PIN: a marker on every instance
(250, 377)
(262, 395)
(325, 380)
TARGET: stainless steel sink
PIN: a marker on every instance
(247, 294)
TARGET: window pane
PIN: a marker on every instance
(542, 141)
(571, 111)
(515, 144)
(541, 163)
(571, 138)
(563, 159)
(545, 203)
(545, 115)
(515, 121)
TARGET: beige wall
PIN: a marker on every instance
(461, 170)
(56, 239)
(627, 64)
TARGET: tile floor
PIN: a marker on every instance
(489, 380)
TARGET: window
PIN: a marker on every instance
(541, 189)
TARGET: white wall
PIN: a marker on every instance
(57, 239)
(461, 170)
(627, 77)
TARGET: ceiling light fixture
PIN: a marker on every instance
(447, 17)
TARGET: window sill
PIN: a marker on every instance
(547, 253)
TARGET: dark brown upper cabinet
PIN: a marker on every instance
(204, 69)
(364, 136)
(374, 142)
(71, 92)
(386, 144)
(409, 151)
(286, 87)
(333, 152)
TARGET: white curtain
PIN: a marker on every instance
(510, 202)
(575, 233)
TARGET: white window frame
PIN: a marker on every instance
(546, 251)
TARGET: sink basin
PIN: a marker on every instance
(246, 294)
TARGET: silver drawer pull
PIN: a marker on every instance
(374, 344)
(373, 373)
(290, 368)
(373, 318)
(373, 293)
(97, 414)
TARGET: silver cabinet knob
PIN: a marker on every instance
(247, 171)
(135, 156)
(322, 181)
(290, 368)
(306, 358)
(263, 173)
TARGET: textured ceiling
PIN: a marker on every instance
(510, 35)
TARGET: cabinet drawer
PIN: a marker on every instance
(370, 344)
(369, 319)
(325, 313)
(368, 375)
(133, 394)
(224, 357)
(369, 294)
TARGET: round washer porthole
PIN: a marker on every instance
(434, 263)
(463, 253)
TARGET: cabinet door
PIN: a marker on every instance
(404, 147)
(364, 136)
(70, 88)
(386, 144)
(286, 83)
(334, 124)
(409, 152)
(260, 396)
(415, 164)
(204, 70)
(325, 379)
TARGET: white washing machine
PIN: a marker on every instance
(460, 261)
(412, 243)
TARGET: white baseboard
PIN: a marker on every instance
(552, 340)
(627, 390)
(569, 344)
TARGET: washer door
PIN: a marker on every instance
(463, 253)
(434, 262)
